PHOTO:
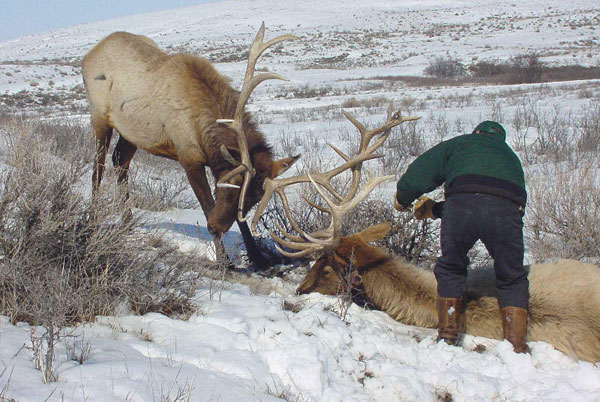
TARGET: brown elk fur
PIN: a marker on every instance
(168, 105)
(564, 307)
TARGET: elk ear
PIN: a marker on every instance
(375, 232)
(281, 165)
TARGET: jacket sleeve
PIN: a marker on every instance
(425, 174)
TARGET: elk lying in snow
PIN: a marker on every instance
(179, 107)
(564, 307)
(564, 304)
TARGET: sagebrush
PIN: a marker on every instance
(66, 258)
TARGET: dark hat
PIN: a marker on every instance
(490, 127)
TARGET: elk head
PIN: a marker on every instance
(230, 203)
(242, 183)
(333, 273)
(336, 252)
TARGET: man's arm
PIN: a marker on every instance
(425, 174)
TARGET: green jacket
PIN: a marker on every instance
(470, 163)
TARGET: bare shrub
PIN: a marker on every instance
(489, 69)
(290, 142)
(588, 129)
(351, 102)
(77, 348)
(158, 190)
(526, 68)
(520, 69)
(42, 356)
(543, 135)
(416, 241)
(64, 261)
(440, 125)
(307, 91)
(564, 211)
(419, 81)
(402, 147)
(496, 113)
(65, 139)
(445, 67)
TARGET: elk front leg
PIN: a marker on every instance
(254, 253)
(196, 175)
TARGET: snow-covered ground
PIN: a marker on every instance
(246, 346)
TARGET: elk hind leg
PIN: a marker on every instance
(121, 158)
(103, 133)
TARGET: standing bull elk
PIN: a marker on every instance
(564, 295)
(179, 107)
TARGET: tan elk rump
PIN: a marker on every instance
(179, 107)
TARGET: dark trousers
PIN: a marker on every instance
(498, 223)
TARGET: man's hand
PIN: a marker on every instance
(423, 207)
(400, 207)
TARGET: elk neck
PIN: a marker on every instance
(407, 293)
(211, 97)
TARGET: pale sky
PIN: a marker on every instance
(24, 17)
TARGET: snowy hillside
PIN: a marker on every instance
(258, 341)
(340, 41)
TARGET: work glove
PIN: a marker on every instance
(423, 208)
(400, 207)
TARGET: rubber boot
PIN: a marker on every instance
(514, 327)
(448, 319)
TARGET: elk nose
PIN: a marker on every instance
(217, 227)
(219, 222)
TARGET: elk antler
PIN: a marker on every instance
(327, 239)
(250, 83)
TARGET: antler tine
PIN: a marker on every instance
(393, 119)
(293, 242)
(286, 234)
(288, 212)
(304, 248)
(367, 135)
(250, 83)
(256, 50)
(271, 186)
(315, 205)
(338, 211)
